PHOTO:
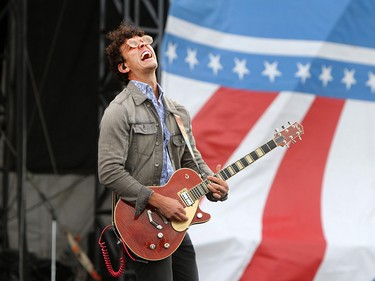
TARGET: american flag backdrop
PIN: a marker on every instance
(246, 67)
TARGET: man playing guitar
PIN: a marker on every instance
(141, 146)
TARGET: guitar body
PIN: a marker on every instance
(151, 236)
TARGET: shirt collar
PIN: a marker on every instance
(147, 90)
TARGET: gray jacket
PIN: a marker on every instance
(130, 151)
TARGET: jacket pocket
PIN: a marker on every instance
(144, 137)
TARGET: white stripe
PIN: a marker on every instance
(278, 47)
(192, 94)
(348, 198)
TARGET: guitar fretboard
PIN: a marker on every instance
(201, 189)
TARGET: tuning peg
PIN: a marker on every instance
(286, 143)
(283, 127)
(299, 135)
(276, 130)
(289, 123)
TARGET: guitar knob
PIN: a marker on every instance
(166, 245)
(199, 215)
(160, 235)
(152, 246)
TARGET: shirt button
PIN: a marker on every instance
(156, 164)
(157, 143)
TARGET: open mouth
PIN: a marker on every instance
(146, 55)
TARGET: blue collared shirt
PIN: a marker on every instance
(146, 89)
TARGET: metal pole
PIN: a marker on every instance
(53, 251)
(21, 22)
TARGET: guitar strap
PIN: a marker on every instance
(187, 141)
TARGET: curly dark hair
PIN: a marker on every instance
(116, 39)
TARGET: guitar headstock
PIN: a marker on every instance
(288, 135)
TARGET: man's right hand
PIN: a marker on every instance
(170, 208)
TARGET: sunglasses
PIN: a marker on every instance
(134, 43)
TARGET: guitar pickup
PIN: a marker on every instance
(186, 198)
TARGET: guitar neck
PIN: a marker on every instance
(201, 189)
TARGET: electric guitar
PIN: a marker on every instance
(153, 237)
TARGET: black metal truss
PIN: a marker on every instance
(13, 77)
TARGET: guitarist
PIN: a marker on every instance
(141, 145)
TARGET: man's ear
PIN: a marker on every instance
(122, 68)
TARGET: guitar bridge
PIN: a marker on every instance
(186, 198)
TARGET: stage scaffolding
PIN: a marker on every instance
(150, 15)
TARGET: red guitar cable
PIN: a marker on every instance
(107, 260)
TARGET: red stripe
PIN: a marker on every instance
(225, 120)
(293, 244)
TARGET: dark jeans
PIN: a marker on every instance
(180, 266)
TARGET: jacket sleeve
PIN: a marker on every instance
(114, 138)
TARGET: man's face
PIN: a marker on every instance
(140, 56)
